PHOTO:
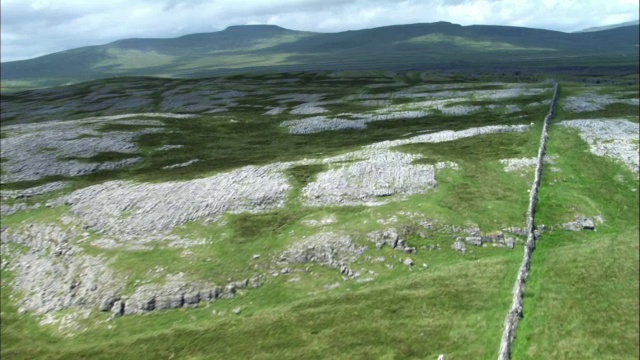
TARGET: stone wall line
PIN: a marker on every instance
(515, 312)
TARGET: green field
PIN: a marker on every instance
(581, 300)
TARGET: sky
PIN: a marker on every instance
(32, 28)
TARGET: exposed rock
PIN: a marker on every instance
(581, 223)
(517, 164)
(389, 237)
(516, 231)
(408, 262)
(55, 274)
(12, 209)
(615, 138)
(510, 242)
(130, 209)
(36, 150)
(459, 246)
(593, 102)
(108, 303)
(181, 164)
(474, 240)
(330, 249)
(366, 182)
(34, 191)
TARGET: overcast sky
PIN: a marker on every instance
(32, 28)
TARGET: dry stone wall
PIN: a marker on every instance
(516, 311)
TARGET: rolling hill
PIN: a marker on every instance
(612, 26)
(268, 48)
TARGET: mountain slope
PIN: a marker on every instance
(607, 27)
(272, 48)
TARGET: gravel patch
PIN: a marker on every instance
(610, 137)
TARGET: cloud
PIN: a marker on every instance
(37, 27)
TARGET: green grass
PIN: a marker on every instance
(582, 296)
(581, 300)
(465, 42)
(430, 311)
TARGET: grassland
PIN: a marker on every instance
(582, 296)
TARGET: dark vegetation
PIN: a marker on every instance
(262, 48)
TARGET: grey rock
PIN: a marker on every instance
(510, 242)
(474, 240)
(581, 223)
(459, 246)
(108, 303)
(408, 262)
(516, 231)
(129, 210)
(54, 274)
(387, 237)
(118, 308)
(169, 299)
(587, 224)
(614, 138)
(192, 298)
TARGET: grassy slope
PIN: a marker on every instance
(403, 47)
(455, 306)
(582, 297)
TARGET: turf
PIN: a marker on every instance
(581, 300)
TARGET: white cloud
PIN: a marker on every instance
(33, 28)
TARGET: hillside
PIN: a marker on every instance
(267, 48)
(613, 26)
(325, 215)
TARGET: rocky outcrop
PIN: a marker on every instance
(54, 274)
(34, 191)
(33, 151)
(614, 138)
(392, 239)
(582, 223)
(593, 102)
(175, 293)
(369, 181)
(329, 249)
(133, 210)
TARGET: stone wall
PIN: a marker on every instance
(515, 313)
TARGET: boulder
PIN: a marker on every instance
(510, 242)
(459, 246)
(474, 240)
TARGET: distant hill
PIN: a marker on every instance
(613, 26)
(263, 48)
